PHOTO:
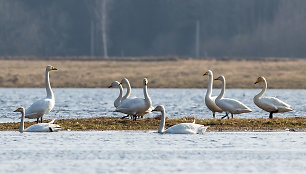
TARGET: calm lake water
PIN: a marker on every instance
(83, 103)
(149, 152)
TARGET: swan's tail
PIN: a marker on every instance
(54, 128)
(193, 121)
(51, 122)
(202, 129)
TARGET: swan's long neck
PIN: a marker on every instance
(118, 100)
(146, 95)
(21, 126)
(48, 86)
(263, 89)
(210, 86)
(128, 91)
(222, 90)
(161, 128)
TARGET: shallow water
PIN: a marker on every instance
(82, 103)
(149, 152)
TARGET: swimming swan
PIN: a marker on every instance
(117, 102)
(136, 106)
(210, 100)
(269, 104)
(229, 105)
(45, 105)
(41, 127)
(182, 128)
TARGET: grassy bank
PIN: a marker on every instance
(236, 124)
(177, 73)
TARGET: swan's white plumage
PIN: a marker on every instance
(43, 127)
(186, 128)
(40, 108)
(45, 105)
(40, 127)
(210, 100)
(136, 106)
(182, 128)
(230, 105)
(270, 104)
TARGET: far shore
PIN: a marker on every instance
(296, 124)
(161, 73)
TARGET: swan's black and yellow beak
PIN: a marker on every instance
(217, 78)
(205, 74)
(256, 81)
(17, 110)
(110, 86)
(53, 68)
(155, 109)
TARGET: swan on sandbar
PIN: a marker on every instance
(136, 106)
(40, 127)
(118, 100)
(229, 105)
(269, 104)
(182, 128)
(126, 82)
(210, 100)
(45, 105)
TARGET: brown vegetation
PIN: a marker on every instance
(282, 73)
(113, 123)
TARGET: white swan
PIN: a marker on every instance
(230, 105)
(182, 128)
(210, 100)
(126, 82)
(117, 102)
(136, 106)
(41, 127)
(269, 104)
(45, 105)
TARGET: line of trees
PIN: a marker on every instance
(233, 28)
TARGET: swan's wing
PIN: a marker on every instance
(275, 101)
(41, 127)
(185, 128)
(131, 105)
(272, 104)
(40, 107)
(228, 104)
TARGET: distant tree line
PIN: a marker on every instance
(232, 28)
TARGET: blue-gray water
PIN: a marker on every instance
(149, 152)
(81, 103)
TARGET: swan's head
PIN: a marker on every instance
(159, 108)
(125, 80)
(220, 78)
(21, 109)
(145, 81)
(114, 84)
(208, 72)
(260, 79)
(50, 68)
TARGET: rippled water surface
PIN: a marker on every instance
(149, 152)
(81, 103)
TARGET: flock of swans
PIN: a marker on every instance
(138, 106)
